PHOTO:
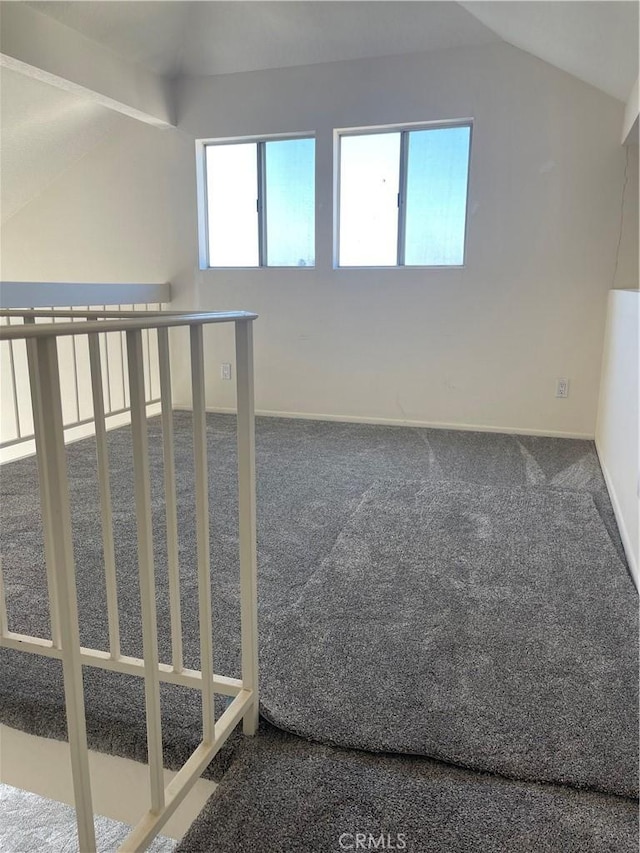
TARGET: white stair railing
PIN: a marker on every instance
(78, 403)
(42, 344)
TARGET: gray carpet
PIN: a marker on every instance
(33, 824)
(284, 794)
(518, 659)
(486, 626)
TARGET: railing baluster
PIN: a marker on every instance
(123, 372)
(110, 405)
(39, 429)
(202, 532)
(154, 368)
(147, 362)
(102, 452)
(123, 361)
(21, 384)
(247, 516)
(4, 620)
(14, 385)
(75, 375)
(45, 387)
(55, 508)
(145, 567)
(170, 498)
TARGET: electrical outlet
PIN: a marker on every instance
(225, 370)
(562, 388)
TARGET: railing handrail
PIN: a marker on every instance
(50, 294)
(85, 312)
(160, 320)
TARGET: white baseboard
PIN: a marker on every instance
(512, 430)
(622, 527)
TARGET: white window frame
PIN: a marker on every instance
(403, 129)
(202, 200)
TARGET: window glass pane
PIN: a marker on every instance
(232, 187)
(436, 198)
(369, 176)
(290, 202)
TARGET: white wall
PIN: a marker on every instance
(617, 434)
(107, 218)
(481, 346)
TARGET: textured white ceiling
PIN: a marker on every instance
(44, 131)
(595, 41)
(202, 38)
(152, 33)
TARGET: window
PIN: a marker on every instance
(260, 203)
(403, 196)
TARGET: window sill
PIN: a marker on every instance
(253, 269)
(404, 267)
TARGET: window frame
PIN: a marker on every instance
(404, 130)
(203, 197)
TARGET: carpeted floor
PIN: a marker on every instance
(33, 824)
(457, 595)
(332, 498)
(284, 793)
(490, 627)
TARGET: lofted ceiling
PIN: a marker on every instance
(44, 129)
(595, 40)
(205, 38)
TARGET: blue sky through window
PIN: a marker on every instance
(435, 198)
(287, 220)
(290, 202)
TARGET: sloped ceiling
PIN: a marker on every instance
(43, 131)
(596, 42)
(205, 38)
